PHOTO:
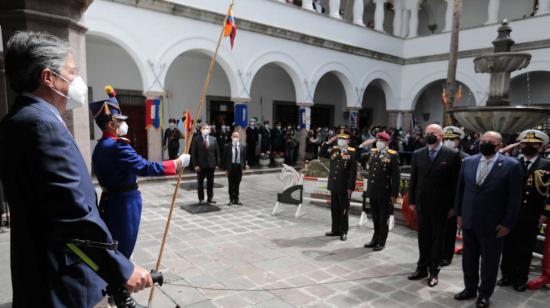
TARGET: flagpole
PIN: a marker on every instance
(198, 109)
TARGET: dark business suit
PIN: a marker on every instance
(432, 191)
(482, 208)
(520, 243)
(52, 201)
(234, 168)
(205, 155)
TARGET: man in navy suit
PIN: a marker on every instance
(205, 157)
(487, 204)
(52, 199)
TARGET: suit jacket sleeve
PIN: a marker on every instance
(325, 150)
(353, 173)
(457, 163)
(64, 201)
(413, 181)
(514, 189)
(395, 177)
(194, 153)
(218, 158)
(459, 192)
(128, 159)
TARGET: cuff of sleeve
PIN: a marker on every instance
(169, 167)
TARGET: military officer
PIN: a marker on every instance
(341, 181)
(452, 136)
(117, 166)
(520, 243)
(383, 180)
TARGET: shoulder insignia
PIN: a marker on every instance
(351, 149)
(124, 140)
(335, 147)
(374, 150)
(393, 152)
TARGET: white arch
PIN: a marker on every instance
(462, 77)
(114, 33)
(344, 75)
(534, 66)
(182, 45)
(385, 81)
(286, 62)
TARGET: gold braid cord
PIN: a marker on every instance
(540, 184)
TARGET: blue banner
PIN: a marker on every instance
(354, 119)
(241, 115)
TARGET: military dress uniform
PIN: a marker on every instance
(117, 166)
(342, 175)
(520, 242)
(383, 180)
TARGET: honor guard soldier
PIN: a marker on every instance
(341, 182)
(383, 180)
(520, 243)
(451, 138)
(117, 166)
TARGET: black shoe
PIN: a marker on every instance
(378, 247)
(482, 302)
(343, 237)
(504, 282)
(211, 202)
(465, 295)
(520, 287)
(201, 202)
(238, 203)
(445, 263)
(418, 274)
(230, 203)
(124, 300)
(370, 244)
(332, 234)
(433, 280)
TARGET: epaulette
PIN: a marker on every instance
(335, 147)
(393, 152)
(351, 149)
(374, 150)
(124, 140)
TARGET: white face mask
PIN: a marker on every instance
(123, 129)
(235, 141)
(78, 92)
(172, 125)
(450, 144)
(380, 145)
(205, 132)
(266, 126)
(342, 143)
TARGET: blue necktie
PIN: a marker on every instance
(432, 155)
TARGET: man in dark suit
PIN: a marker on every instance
(205, 157)
(277, 139)
(234, 162)
(433, 166)
(52, 199)
(520, 243)
(487, 204)
(252, 137)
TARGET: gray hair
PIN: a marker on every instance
(28, 53)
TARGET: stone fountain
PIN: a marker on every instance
(498, 114)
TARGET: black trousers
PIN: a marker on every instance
(339, 208)
(251, 154)
(173, 151)
(517, 251)
(209, 174)
(234, 177)
(380, 210)
(431, 227)
(450, 239)
(487, 247)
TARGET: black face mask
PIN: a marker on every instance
(529, 150)
(487, 149)
(430, 139)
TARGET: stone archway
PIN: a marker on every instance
(374, 105)
(330, 93)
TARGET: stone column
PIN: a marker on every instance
(449, 16)
(392, 118)
(61, 18)
(334, 9)
(302, 136)
(379, 15)
(405, 23)
(492, 16)
(397, 18)
(413, 22)
(307, 4)
(358, 12)
(544, 7)
(406, 120)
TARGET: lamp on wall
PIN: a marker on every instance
(426, 116)
(432, 28)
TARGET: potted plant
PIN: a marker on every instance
(264, 160)
(279, 158)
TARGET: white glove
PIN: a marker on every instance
(391, 222)
(185, 159)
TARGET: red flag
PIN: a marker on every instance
(230, 27)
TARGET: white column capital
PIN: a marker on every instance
(305, 104)
(307, 4)
(334, 9)
(379, 15)
(358, 12)
(241, 100)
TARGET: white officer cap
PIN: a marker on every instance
(453, 132)
(533, 136)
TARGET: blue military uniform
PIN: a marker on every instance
(117, 166)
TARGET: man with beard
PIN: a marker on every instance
(433, 166)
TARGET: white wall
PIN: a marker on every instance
(271, 83)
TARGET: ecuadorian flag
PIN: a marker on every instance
(230, 27)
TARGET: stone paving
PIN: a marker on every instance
(244, 257)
